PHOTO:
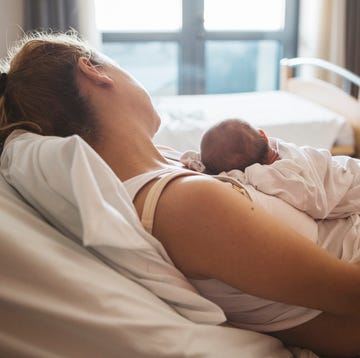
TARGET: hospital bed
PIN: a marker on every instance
(72, 284)
(58, 297)
(305, 111)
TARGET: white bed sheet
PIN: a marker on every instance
(279, 114)
(58, 299)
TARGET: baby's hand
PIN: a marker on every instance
(272, 156)
(192, 160)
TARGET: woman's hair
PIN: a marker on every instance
(38, 87)
(232, 144)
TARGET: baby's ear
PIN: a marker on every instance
(93, 72)
(262, 133)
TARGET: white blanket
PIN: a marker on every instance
(74, 189)
(326, 188)
(309, 179)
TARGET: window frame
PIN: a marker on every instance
(192, 37)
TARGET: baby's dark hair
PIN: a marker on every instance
(232, 144)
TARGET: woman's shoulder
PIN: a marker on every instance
(194, 211)
(201, 194)
(208, 184)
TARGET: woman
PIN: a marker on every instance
(56, 85)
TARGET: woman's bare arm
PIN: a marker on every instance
(211, 231)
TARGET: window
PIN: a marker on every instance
(200, 46)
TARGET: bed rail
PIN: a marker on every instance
(287, 67)
(326, 94)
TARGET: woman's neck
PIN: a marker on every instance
(131, 156)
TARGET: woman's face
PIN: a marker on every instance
(133, 97)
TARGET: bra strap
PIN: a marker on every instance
(153, 196)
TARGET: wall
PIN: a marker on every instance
(11, 20)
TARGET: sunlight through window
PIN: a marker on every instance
(254, 15)
(199, 46)
(138, 15)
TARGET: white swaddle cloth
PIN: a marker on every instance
(75, 190)
(310, 179)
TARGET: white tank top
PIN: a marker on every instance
(242, 310)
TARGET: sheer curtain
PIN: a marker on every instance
(322, 32)
(61, 15)
(87, 23)
(352, 54)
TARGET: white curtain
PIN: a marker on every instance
(87, 22)
(61, 15)
(11, 21)
(322, 32)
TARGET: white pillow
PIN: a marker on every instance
(74, 189)
(57, 299)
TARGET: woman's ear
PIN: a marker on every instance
(93, 72)
(262, 133)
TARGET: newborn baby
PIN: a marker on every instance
(230, 144)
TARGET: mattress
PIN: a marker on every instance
(280, 114)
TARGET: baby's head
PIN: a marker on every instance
(232, 144)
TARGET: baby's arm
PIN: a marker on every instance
(192, 160)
